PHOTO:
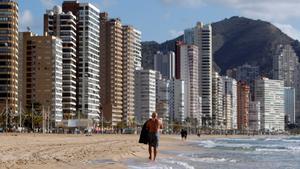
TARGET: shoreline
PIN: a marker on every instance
(63, 151)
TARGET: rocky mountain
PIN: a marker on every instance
(236, 41)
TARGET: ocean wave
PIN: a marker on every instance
(150, 167)
(207, 143)
(178, 163)
(212, 160)
(273, 139)
(212, 144)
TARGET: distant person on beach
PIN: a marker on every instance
(153, 126)
(183, 134)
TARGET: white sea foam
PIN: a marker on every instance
(168, 163)
(212, 160)
(207, 143)
(273, 139)
(178, 163)
(291, 140)
(270, 150)
(212, 144)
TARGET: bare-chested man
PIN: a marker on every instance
(153, 126)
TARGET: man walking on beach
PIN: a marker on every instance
(153, 126)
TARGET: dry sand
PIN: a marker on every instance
(41, 151)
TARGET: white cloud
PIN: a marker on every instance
(185, 3)
(174, 33)
(26, 19)
(272, 10)
(289, 30)
(48, 3)
(275, 11)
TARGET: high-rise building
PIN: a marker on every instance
(289, 105)
(297, 94)
(243, 99)
(270, 94)
(285, 62)
(162, 99)
(227, 110)
(286, 67)
(201, 36)
(145, 94)
(254, 115)
(9, 55)
(189, 74)
(217, 100)
(230, 102)
(63, 25)
(165, 64)
(176, 100)
(131, 62)
(42, 73)
(111, 65)
(87, 51)
(178, 59)
(248, 73)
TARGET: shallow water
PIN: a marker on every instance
(246, 153)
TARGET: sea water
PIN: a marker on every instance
(231, 153)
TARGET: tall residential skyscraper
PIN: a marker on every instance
(201, 36)
(189, 73)
(145, 94)
(87, 50)
(165, 64)
(63, 25)
(286, 67)
(176, 100)
(131, 61)
(270, 94)
(243, 99)
(297, 94)
(9, 55)
(162, 98)
(285, 62)
(254, 115)
(289, 105)
(42, 73)
(111, 65)
(230, 102)
(217, 100)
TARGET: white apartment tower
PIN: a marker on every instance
(87, 24)
(145, 94)
(189, 74)
(201, 36)
(176, 100)
(230, 101)
(217, 100)
(63, 25)
(162, 99)
(270, 94)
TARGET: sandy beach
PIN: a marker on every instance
(36, 151)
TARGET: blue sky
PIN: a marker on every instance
(162, 20)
